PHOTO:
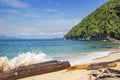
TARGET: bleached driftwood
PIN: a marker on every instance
(105, 73)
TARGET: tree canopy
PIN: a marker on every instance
(101, 24)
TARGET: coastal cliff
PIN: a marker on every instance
(102, 24)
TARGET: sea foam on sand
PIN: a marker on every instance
(23, 59)
(85, 57)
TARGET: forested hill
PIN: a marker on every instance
(102, 24)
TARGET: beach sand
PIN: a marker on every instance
(76, 74)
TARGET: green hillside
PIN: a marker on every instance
(102, 24)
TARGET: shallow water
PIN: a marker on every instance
(25, 52)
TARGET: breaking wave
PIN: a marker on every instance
(23, 59)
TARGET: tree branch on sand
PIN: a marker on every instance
(106, 74)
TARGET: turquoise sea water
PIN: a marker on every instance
(55, 48)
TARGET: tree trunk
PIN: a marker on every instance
(34, 69)
(96, 66)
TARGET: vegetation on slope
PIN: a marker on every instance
(102, 24)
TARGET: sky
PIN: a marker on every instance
(38, 19)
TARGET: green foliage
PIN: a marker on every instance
(102, 23)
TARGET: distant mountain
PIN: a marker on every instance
(102, 24)
(7, 37)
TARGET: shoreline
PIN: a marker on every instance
(113, 54)
(75, 59)
(76, 74)
(107, 55)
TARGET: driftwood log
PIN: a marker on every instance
(96, 66)
(100, 65)
(93, 66)
(34, 69)
(106, 74)
(115, 71)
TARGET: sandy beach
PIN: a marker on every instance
(59, 39)
(76, 74)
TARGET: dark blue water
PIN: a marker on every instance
(52, 47)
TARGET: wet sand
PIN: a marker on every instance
(76, 74)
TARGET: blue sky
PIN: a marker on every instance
(43, 18)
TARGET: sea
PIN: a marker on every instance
(22, 52)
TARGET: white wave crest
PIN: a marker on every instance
(23, 59)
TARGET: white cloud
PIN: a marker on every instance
(42, 35)
(30, 13)
(14, 3)
(58, 4)
(10, 11)
(40, 29)
(33, 22)
(25, 34)
(50, 2)
(53, 3)
(50, 10)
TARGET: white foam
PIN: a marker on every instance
(87, 57)
(28, 58)
(23, 59)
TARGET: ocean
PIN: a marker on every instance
(24, 52)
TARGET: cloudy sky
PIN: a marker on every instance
(43, 18)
